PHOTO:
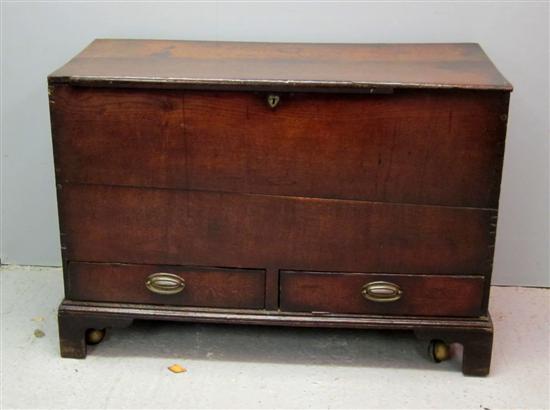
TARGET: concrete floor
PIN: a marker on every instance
(261, 367)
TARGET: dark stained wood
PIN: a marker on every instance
(207, 287)
(276, 317)
(73, 326)
(475, 334)
(380, 159)
(423, 295)
(164, 63)
(477, 345)
(256, 231)
(272, 288)
(420, 146)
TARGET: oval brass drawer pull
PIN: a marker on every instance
(165, 283)
(381, 291)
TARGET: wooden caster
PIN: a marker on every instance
(439, 351)
(94, 336)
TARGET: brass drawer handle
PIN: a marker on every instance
(381, 291)
(165, 283)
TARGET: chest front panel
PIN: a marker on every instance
(400, 183)
(334, 185)
(412, 146)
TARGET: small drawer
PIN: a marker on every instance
(366, 293)
(167, 285)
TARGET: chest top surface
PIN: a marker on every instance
(282, 66)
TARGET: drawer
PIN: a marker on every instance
(366, 293)
(431, 147)
(169, 285)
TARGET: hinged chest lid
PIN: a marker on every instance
(280, 66)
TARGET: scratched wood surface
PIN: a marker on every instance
(164, 63)
(414, 146)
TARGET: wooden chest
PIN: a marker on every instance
(331, 185)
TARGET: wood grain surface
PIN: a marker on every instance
(430, 295)
(380, 162)
(136, 225)
(206, 287)
(414, 146)
(339, 67)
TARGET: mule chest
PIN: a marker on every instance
(330, 185)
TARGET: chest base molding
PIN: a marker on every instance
(474, 334)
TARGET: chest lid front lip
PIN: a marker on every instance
(280, 66)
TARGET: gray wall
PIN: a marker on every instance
(39, 37)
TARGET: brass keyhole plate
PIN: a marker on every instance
(273, 100)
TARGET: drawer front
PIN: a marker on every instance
(435, 147)
(365, 293)
(167, 285)
(151, 226)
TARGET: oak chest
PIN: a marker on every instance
(331, 185)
